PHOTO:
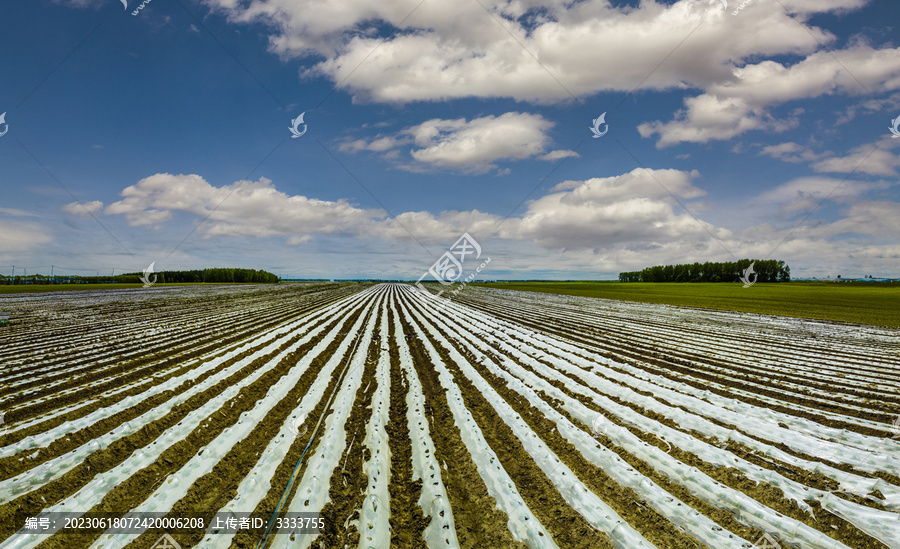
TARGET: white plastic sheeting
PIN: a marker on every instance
(93, 492)
(34, 478)
(586, 503)
(746, 509)
(441, 530)
(874, 458)
(312, 492)
(522, 523)
(616, 468)
(254, 487)
(177, 485)
(374, 517)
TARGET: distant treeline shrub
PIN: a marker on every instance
(204, 275)
(767, 270)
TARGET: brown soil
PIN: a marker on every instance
(479, 524)
(768, 495)
(140, 368)
(408, 522)
(282, 474)
(348, 484)
(645, 356)
(652, 525)
(213, 491)
(133, 490)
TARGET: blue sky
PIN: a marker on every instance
(760, 129)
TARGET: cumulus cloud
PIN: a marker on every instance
(244, 208)
(872, 159)
(549, 51)
(556, 155)
(84, 209)
(791, 152)
(879, 219)
(256, 209)
(620, 220)
(709, 117)
(541, 51)
(633, 210)
(742, 102)
(472, 146)
(476, 144)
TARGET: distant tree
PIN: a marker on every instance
(207, 275)
(767, 270)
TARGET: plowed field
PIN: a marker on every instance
(500, 420)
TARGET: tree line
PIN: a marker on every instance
(217, 275)
(767, 270)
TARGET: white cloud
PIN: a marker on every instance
(547, 51)
(443, 50)
(791, 152)
(476, 144)
(472, 146)
(633, 210)
(872, 105)
(556, 155)
(84, 209)
(244, 208)
(379, 144)
(615, 222)
(708, 117)
(872, 159)
(741, 103)
(806, 193)
(879, 219)
(19, 236)
(17, 213)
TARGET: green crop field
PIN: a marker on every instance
(863, 303)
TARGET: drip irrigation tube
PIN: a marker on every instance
(265, 539)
